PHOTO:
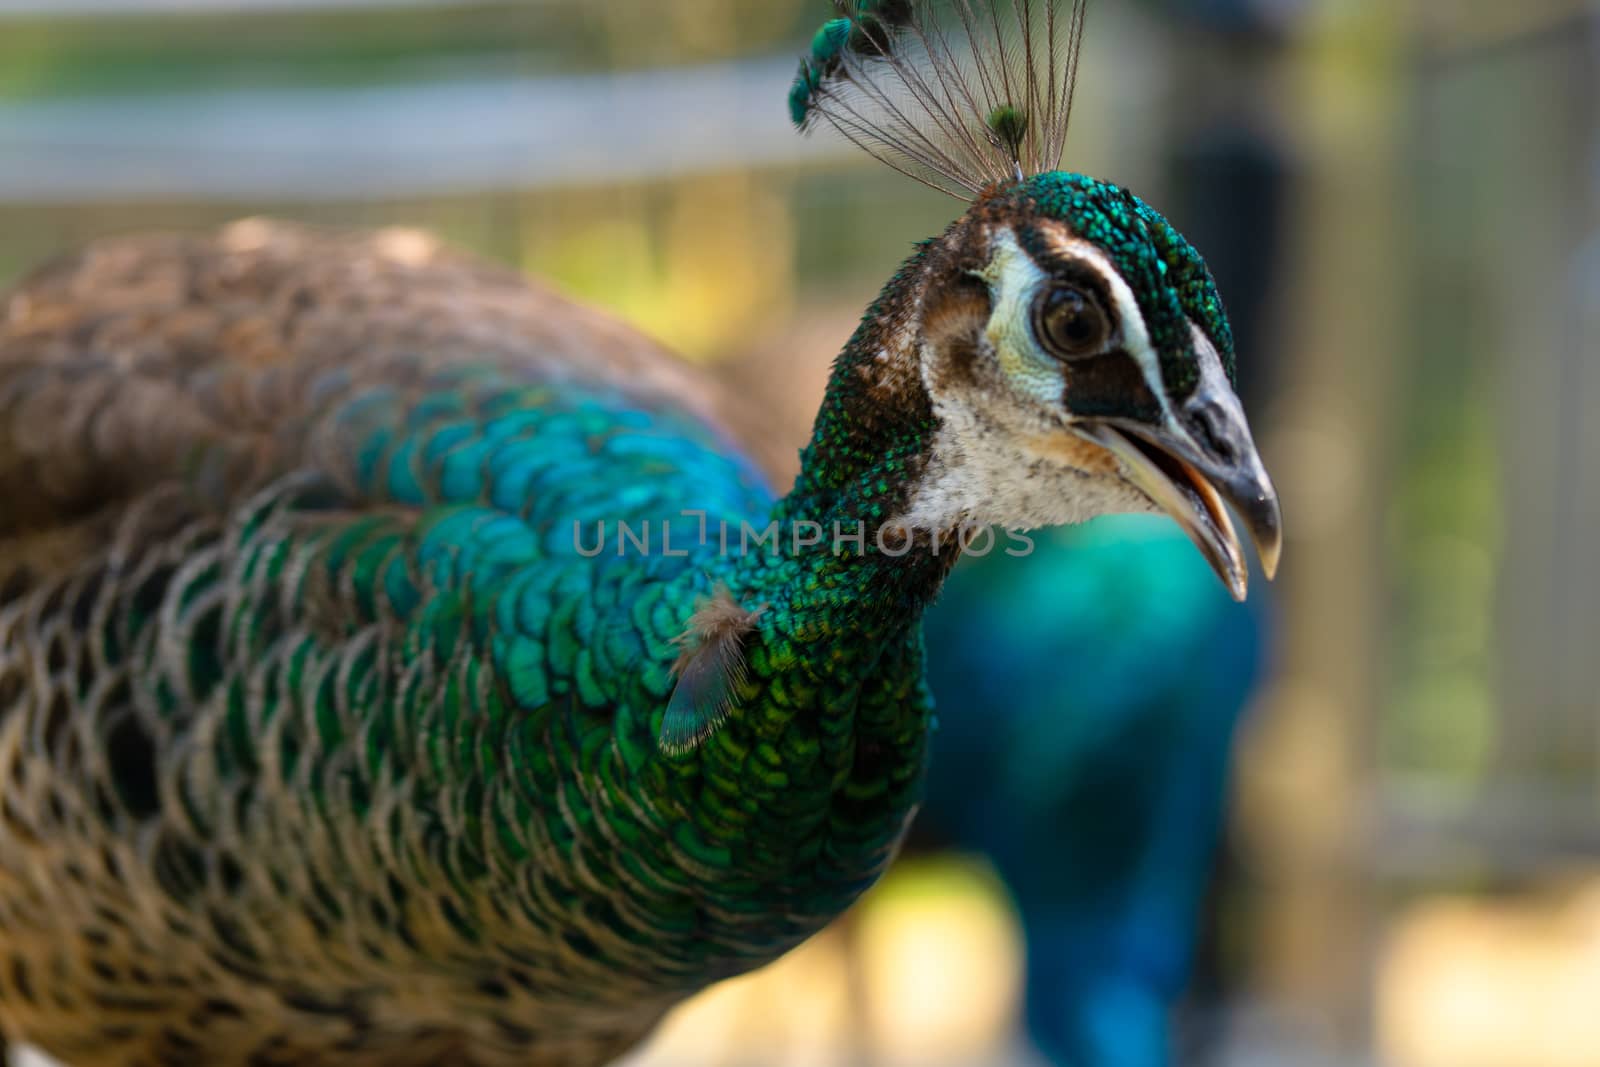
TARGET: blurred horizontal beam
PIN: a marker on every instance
(76, 8)
(1520, 829)
(436, 138)
(1449, 37)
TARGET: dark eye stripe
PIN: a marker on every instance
(1111, 385)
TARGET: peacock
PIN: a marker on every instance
(401, 665)
(1089, 697)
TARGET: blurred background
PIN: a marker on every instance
(1401, 199)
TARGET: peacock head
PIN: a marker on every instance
(1070, 342)
(1079, 363)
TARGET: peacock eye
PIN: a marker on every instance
(1070, 323)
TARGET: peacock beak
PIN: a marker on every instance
(1204, 457)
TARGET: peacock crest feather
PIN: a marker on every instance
(958, 94)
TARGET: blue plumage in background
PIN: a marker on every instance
(1088, 697)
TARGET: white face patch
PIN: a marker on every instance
(1014, 280)
(1004, 453)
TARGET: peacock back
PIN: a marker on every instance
(329, 732)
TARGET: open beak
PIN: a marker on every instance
(1191, 469)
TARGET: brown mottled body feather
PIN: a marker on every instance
(142, 358)
(147, 386)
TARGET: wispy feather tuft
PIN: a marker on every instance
(957, 94)
(710, 672)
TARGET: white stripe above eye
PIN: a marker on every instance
(1211, 370)
(1135, 335)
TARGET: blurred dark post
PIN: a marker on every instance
(1230, 173)
(1493, 742)
(1546, 281)
(1335, 86)
(1580, 620)
(1230, 165)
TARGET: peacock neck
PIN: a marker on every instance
(835, 659)
(872, 436)
(876, 419)
(836, 709)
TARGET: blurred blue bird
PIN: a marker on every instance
(1088, 698)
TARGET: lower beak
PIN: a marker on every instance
(1191, 482)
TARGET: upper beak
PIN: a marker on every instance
(1204, 457)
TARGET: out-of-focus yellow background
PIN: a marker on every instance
(1417, 818)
